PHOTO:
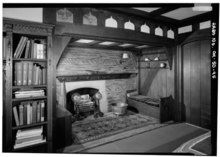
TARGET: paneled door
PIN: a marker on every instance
(197, 82)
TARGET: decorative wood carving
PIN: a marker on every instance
(30, 29)
(26, 27)
(64, 15)
(89, 19)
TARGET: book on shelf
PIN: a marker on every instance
(23, 44)
(42, 110)
(29, 136)
(29, 73)
(29, 112)
(28, 139)
(27, 50)
(38, 112)
(31, 93)
(27, 132)
(29, 143)
(15, 113)
(44, 76)
(25, 113)
(18, 73)
(25, 73)
(21, 112)
(34, 112)
(30, 48)
(18, 47)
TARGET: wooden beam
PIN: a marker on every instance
(153, 50)
(163, 10)
(112, 34)
(59, 44)
(141, 14)
(196, 19)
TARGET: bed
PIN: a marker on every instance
(160, 108)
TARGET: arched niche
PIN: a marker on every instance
(111, 22)
(158, 31)
(89, 19)
(145, 28)
(129, 25)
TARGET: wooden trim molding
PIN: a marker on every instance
(73, 78)
(113, 34)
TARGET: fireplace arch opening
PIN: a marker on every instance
(87, 105)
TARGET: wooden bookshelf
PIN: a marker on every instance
(30, 98)
(28, 59)
(35, 50)
(29, 125)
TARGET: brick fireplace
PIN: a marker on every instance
(100, 69)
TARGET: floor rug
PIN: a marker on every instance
(104, 130)
(158, 141)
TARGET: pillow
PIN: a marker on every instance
(132, 93)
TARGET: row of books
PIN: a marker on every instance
(29, 73)
(29, 136)
(31, 48)
(30, 112)
(26, 93)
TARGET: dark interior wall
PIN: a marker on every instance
(197, 82)
(154, 81)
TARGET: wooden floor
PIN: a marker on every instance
(162, 140)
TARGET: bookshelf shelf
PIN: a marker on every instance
(30, 125)
(164, 60)
(28, 59)
(30, 86)
(29, 98)
(27, 52)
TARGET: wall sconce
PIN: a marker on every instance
(124, 58)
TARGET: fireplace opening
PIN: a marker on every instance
(83, 102)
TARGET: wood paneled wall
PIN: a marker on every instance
(197, 83)
(156, 82)
(82, 61)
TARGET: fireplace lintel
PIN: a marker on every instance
(73, 78)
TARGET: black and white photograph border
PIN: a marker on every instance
(96, 78)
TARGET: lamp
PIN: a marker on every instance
(124, 57)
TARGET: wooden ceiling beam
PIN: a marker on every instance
(195, 19)
(161, 11)
(144, 15)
